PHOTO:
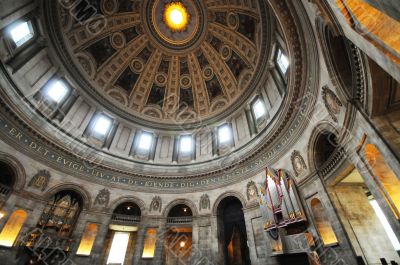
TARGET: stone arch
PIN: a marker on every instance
(86, 198)
(18, 170)
(235, 194)
(186, 202)
(319, 131)
(124, 199)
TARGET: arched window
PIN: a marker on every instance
(385, 176)
(12, 228)
(322, 223)
(325, 146)
(61, 213)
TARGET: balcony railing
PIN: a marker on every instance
(125, 219)
(38, 239)
(180, 220)
(4, 190)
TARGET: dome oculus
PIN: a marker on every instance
(176, 16)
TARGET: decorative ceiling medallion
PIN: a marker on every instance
(176, 16)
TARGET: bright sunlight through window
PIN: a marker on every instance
(186, 144)
(224, 134)
(259, 109)
(283, 62)
(118, 248)
(382, 218)
(145, 141)
(102, 125)
(57, 91)
(21, 33)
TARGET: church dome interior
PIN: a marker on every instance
(215, 132)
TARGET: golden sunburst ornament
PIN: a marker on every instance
(176, 16)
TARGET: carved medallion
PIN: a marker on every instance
(156, 204)
(252, 192)
(298, 163)
(41, 180)
(204, 202)
(332, 103)
(102, 198)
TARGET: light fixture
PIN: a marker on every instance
(2, 214)
(259, 109)
(186, 144)
(185, 210)
(283, 61)
(57, 91)
(182, 244)
(176, 16)
(224, 134)
(145, 141)
(102, 125)
(21, 32)
(128, 208)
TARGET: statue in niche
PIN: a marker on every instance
(102, 198)
(252, 191)
(40, 180)
(298, 163)
(332, 103)
(156, 204)
(204, 202)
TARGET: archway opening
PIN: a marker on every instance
(325, 146)
(122, 234)
(178, 239)
(232, 235)
(7, 181)
(340, 57)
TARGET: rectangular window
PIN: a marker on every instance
(12, 228)
(185, 145)
(56, 91)
(224, 134)
(87, 241)
(149, 247)
(283, 62)
(102, 125)
(21, 32)
(259, 109)
(145, 141)
(118, 249)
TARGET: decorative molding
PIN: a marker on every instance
(332, 103)
(298, 163)
(251, 191)
(102, 198)
(204, 202)
(40, 180)
(156, 204)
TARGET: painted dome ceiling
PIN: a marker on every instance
(132, 56)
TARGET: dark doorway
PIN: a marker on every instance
(232, 234)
